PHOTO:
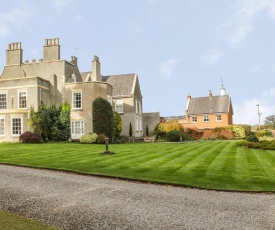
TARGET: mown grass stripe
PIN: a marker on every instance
(214, 165)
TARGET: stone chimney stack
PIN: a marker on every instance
(187, 104)
(74, 60)
(96, 75)
(51, 49)
(14, 54)
(210, 94)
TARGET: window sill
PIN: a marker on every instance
(77, 109)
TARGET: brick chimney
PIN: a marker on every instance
(14, 54)
(210, 94)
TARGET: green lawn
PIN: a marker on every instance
(10, 221)
(214, 165)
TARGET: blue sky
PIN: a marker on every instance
(176, 47)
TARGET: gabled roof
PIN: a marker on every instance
(206, 105)
(122, 84)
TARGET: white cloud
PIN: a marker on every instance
(212, 57)
(166, 68)
(241, 23)
(246, 112)
(16, 18)
(61, 3)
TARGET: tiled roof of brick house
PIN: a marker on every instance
(209, 105)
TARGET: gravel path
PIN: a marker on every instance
(71, 201)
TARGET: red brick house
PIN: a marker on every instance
(209, 112)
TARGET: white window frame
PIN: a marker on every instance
(119, 105)
(140, 125)
(195, 119)
(140, 108)
(219, 118)
(2, 121)
(206, 118)
(74, 101)
(21, 121)
(80, 128)
(6, 106)
(18, 99)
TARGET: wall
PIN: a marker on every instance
(33, 86)
(152, 120)
(90, 91)
(226, 120)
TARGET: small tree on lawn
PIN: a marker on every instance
(147, 131)
(103, 118)
(130, 130)
(117, 125)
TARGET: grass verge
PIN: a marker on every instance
(10, 221)
(217, 165)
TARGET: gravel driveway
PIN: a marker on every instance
(71, 201)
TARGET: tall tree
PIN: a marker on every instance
(103, 118)
(270, 122)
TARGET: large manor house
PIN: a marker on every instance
(52, 81)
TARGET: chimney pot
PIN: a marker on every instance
(210, 94)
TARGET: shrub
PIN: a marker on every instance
(117, 125)
(121, 140)
(174, 136)
(147, 131)
(247, 129)
(243, 143)
(239, 131)
(103, 118)
(170, 125)
(192, 134)
(160, 135)
(101, 139)
(130, 130)
(53, 124)
(252, 138)
(88, 138)
(268, 133)
(29, 137)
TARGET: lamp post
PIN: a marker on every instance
(259, 116)
(107, 145)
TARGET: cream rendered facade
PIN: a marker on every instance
(53, 81)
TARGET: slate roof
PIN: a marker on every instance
(122, 83)
(206, 105)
